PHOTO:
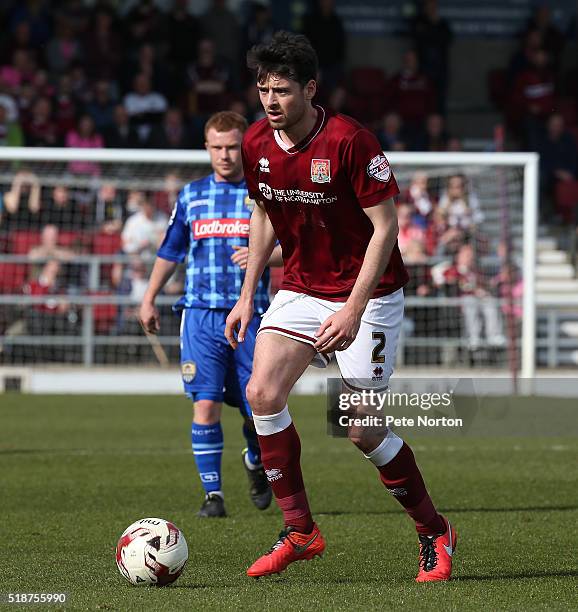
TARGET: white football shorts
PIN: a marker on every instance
(368, 362)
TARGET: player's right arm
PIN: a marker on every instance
(261, 244)
(148, 313)
(172, 251)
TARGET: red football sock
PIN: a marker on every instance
(402, 478)
(280, 454)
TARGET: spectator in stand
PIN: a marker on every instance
(80, 85)
(144, 230)
(455, 144)
(84, 137)
(172, 133)
(104, 45)
(41, 130)
(409, 232)
(144, 23)
(324, 28)
(558, 155)
(21, 70)
(521, 60)
(51, 317)
(66, 106)
(10, 131)
(62, 211)
(36, 13)
(259, 27)
(532, 98)
(459, 207)
(19, 39)
(509, 286)
(64, 49)
(109, 209)
(432, 36)
(552, 39)
(165, 200)
(144, 106)
(412, 95)
(390, 134)
(478, 306)
(101, 108)
(220, 25)
(22, 202)
(121, 134)
(208, 80)
(49, 248)
(147, 62)
(9, 102)
(183, 33)
(418, 195)
(435, 136)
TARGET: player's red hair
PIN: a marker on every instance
(225, 121)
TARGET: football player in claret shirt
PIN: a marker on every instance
(210, 227)
(325, 190)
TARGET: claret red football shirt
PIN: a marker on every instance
(314, 194)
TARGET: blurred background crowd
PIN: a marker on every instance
(144, 74)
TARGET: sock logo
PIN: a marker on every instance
(398, 492)
(209, 476)
(273, 474)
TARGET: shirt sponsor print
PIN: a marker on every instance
(220, 228)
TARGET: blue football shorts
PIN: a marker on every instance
(210, 368)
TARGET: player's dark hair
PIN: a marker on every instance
(288, 55)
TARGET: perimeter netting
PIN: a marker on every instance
(78, 237)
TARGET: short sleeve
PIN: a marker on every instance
(368, 170)
(177, 238)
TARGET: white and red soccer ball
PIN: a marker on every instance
(151, 551)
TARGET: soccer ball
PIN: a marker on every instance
(151, 551)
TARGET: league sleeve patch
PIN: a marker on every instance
(378, 168)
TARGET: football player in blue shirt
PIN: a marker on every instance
(209, 226)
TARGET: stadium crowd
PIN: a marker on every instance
(89, 76)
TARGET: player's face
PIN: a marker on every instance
(225, 152)
(285, 101)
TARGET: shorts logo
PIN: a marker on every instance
(398, 492)
(377, 373)
(220, 228)
(321, 170)
(378, 168)
(188, 369)
(266, 190)
(264, 165)
(273, 474)
(209, 477)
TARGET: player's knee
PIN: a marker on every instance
(206, 412)
(264, 398)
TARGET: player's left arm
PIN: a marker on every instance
(241, 256)
(340, 329)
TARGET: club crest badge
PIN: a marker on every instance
(320, 170)
(266, 190)
(188, 369)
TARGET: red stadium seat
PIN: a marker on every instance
(106, 244)
(566, 198)
(367, 81)
(12, 277)
(71, 239)
(23, 241)
(104, 315)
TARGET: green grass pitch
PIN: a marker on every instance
(75, 471)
